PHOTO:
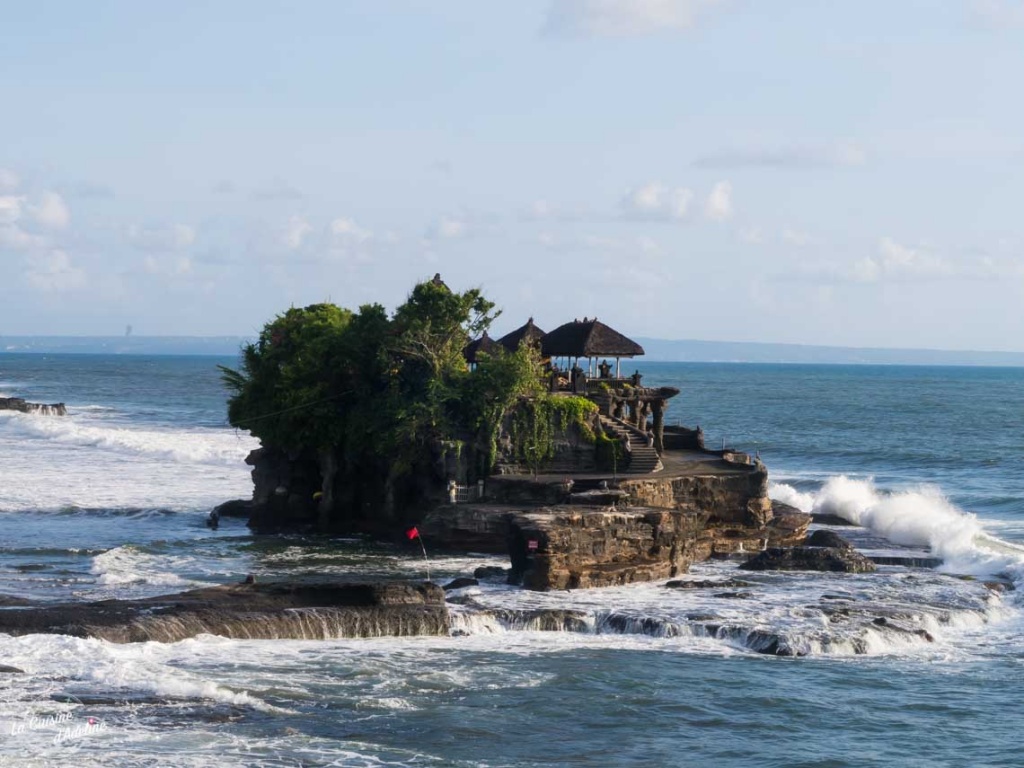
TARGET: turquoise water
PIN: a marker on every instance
(111, 500)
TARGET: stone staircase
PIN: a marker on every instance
(642, 459)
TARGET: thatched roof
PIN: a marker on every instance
(530, 332)
(484, 345)
(589, 338)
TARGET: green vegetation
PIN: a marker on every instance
(390, 399)
(534, 424)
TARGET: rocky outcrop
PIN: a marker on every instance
(810, 559)
(727, 493)
(314, 610)
(470, 527)
(827, 538)
(17, 404)
(284, 489)
(576, 547)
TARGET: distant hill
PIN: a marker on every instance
(124, 345)
(754, 352)
(667, 350)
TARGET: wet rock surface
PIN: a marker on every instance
(832, 559)
(20, 405)
(827, 538)
(305, 610)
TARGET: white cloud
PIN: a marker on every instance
(719, 203)
(448, 228)
(624, 18)
(50, 211)
(295, 232)
(177, 237)
(896, 261)
(9, 180)
(12, 235)
(54, 273)
(655, 200)
(10, 208)
(346, 229)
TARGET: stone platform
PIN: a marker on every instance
(703, 504)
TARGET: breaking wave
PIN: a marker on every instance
(191, 446)
(918, 517)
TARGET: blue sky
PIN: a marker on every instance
(786, 171)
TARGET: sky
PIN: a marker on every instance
(781, 171)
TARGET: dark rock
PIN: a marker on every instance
(907, 561)
(827, 538)
(810, 559)
(17, 404)
(733, 595)
(823, 518)
(9, 600)
(5, 669)
(460, 583)
(490, 572)
(468, 527)
(725, 583)
(788, 525)
(272, 610)
(234, 508)
(544, 620)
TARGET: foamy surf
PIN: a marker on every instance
(188, 446)
(917, 517)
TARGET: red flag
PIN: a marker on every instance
(413, 533)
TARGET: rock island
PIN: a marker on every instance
(533, 444)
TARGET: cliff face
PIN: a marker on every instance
(738, 497)
(570, 548)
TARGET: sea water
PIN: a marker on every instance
(111, 500)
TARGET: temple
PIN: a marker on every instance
(576, 358)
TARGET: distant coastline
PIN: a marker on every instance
(658, 350)
(123, 345)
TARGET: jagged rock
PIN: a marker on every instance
(5, 669)
(788, 526)
(490, 572)
(17, 404)
(810, 559)
(725, 493)
(826, 538)
(568, 547)
(460, 583)
(272, 610)
(827, 518)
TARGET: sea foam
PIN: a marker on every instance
(917, 517)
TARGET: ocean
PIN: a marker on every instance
(111, 501)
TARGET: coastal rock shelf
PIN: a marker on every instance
(22, 406)
(271, 611)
